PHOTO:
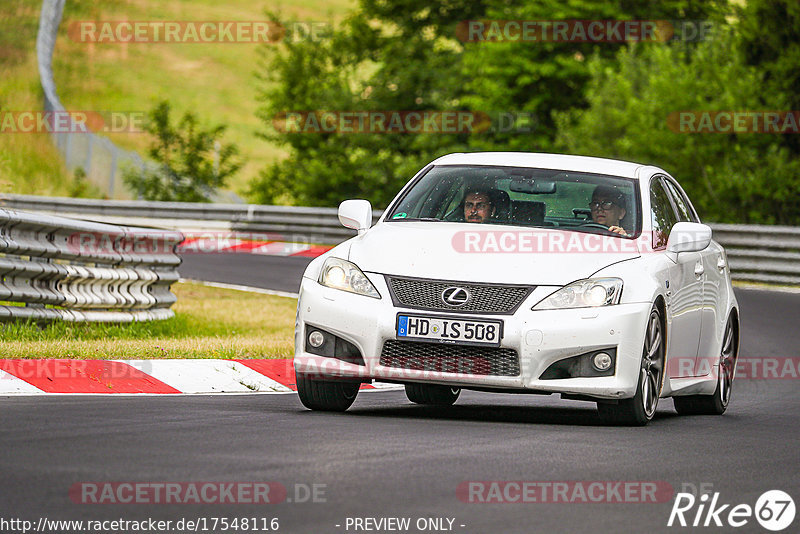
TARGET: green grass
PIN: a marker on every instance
(209, 323)
(215, 81)
(29, 162)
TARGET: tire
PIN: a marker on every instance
(717, 403)
(326, 396)
(639, 410)
(432, 394)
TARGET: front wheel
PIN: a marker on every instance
(326, 396)
(717, 403)
(432, 394)
(640, 409)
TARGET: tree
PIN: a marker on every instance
(731, 177)
(406, 55)
(362, 66)
(770, 41)
(541, 77)
(192, 163)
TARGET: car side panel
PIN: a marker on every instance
(717, 303)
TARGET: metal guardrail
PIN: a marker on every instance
(756, 253)
(64, 269)
(760, 253)
(296, 224)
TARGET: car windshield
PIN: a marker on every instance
(521, 196)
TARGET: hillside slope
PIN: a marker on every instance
(215, 81)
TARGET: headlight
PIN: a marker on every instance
(588, 293)
(341, 274)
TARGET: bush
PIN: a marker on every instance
(192, 162)
(736, 178)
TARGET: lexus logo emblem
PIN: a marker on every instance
(455, 296)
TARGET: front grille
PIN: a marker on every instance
(484, 298)
(441, 358)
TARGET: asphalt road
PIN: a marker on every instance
(268, 272)
(388, 458)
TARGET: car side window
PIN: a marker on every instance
(684, 212)
(662, 213)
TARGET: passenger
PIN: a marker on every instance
(608, 208)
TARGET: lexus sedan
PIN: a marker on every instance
(524, 273)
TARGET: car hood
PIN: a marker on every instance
(477, 253)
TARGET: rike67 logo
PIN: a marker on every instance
(774, 510)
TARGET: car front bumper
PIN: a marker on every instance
(540, 338)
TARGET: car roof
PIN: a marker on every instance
(563, 162)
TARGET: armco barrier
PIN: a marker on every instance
(298, 224)
(756, 253)
(761, 253)
(72, 270)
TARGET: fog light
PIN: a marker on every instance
(316, 339)
(601, 361)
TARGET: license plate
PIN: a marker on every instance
(449, 330)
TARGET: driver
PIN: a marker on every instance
(608, 208)
(478, 206)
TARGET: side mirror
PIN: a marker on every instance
(356, 214)
(689, 237)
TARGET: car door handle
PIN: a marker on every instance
(699, 269)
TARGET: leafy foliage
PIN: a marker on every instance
(596, 98)
(542, 77)
(770, 41)
(736, 177)
(361, 67)
(188, 170)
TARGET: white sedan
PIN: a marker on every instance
(524, 273)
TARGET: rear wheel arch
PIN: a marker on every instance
(716, 403)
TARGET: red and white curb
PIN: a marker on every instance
(231, 244)
(34, 377)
